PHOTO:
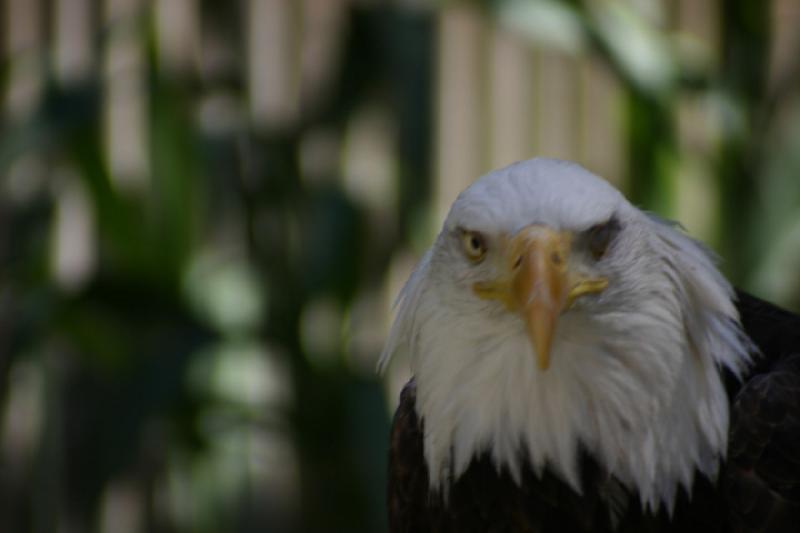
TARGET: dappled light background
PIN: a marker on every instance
(206, 209)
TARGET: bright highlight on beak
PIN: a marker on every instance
(539, 284)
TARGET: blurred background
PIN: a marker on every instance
(207, 208)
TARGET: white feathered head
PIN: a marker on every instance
(549, 313)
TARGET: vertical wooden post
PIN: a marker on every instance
(459, 99)
(556, 108)
(72, 40)
(697, 196)
(600, 147)
(178, 26)
(126, 103)
(272, 94)
(23, 34)
(511, 100)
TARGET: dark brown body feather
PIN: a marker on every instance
(758, 488)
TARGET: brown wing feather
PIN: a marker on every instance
(762, 478)
(408, 476)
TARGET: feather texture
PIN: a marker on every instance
(635, 374)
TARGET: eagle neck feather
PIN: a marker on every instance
(638, 385)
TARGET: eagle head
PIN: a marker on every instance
(550, 316)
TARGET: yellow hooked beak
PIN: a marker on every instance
(538, 283)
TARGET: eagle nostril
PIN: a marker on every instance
(518, 262)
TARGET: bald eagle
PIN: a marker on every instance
(580, 365)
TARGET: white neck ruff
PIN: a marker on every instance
(638, 386)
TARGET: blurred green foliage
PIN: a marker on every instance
(172, 386)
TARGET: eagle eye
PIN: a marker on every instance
(600, 237)
(474, 245)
